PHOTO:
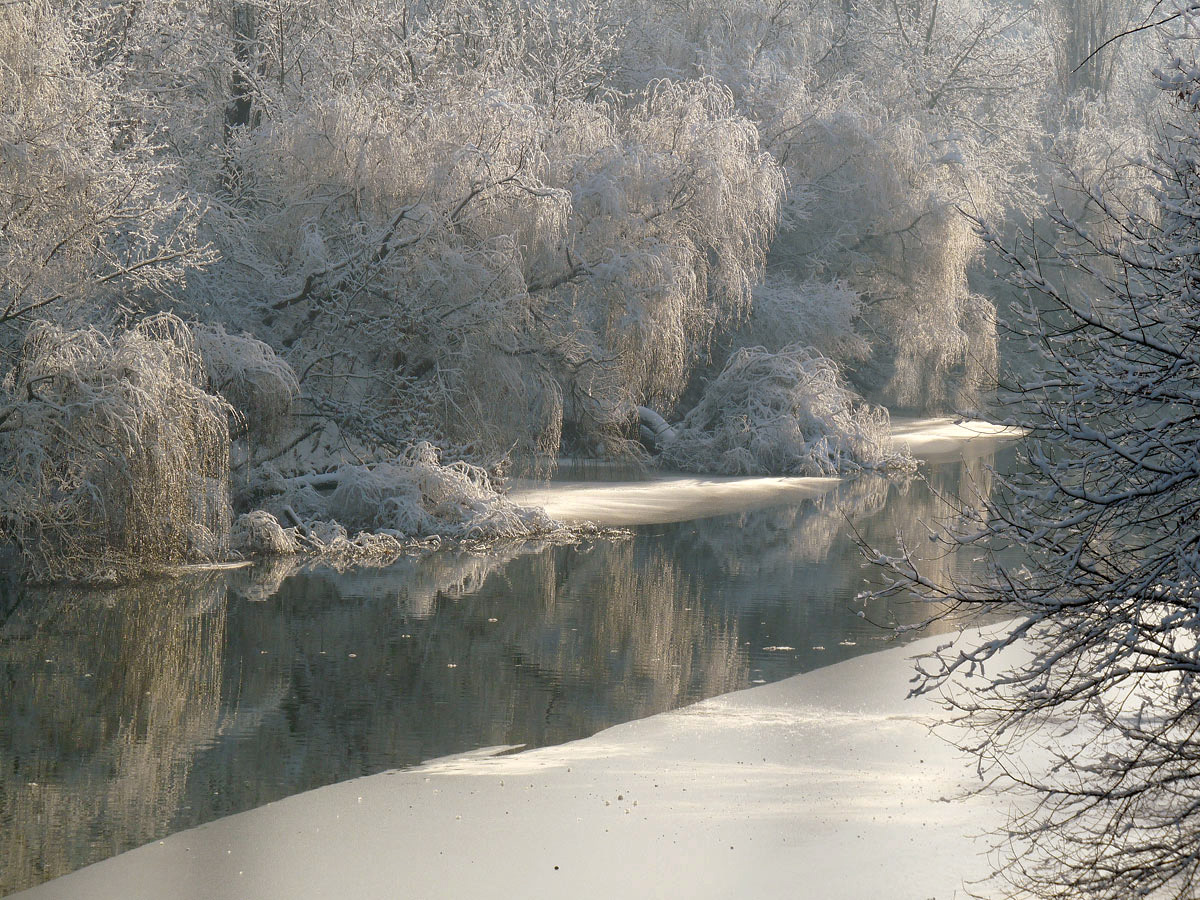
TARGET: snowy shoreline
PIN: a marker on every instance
(825, 785)
(676, 497)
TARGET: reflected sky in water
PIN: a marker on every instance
(128, 714)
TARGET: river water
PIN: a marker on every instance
(129, 714)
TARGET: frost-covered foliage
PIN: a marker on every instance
(444, 219)
(495, 223)
(504, 226)
(783, 413)
(890, 120)
(86, 222)
(494, 271)
(252, 378)
(821, 315)
(1106, 509)
(884, 215)
(385, 507)
(114, 457)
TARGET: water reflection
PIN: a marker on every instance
(792, 577)
(107, 699)
(126, 716)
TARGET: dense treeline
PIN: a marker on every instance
(252, 251)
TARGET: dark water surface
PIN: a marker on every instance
(128, 714)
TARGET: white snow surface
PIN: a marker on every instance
(679, 497)
(943, 438)
(669, 498)
(827, 785)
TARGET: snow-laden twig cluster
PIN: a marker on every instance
(1104, 514)
(386, 508)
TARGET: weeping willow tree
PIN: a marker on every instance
(885, 214)
(889, 120)
(115, 458)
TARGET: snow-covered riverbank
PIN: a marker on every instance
(826, 785)
(678, 497)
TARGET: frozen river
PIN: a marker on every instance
(128, 715)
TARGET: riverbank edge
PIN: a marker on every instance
(826, 785)
(676, 497)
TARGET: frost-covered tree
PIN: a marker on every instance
(941, 122)
(497, 259)
(890, 120)
(86, 226)
(1104, 512)
(885, 216)
(114, 458)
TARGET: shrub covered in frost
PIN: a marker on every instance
(415, 495)
(258, 533)
(380, 509)
(784, 413)
(113, 456)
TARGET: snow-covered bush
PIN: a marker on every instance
(113, 456)
(258, 533)
(785, 413)
(415, 495)
(385, 508)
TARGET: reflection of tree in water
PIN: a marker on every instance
(214, 694)
(794, 573)
(649, 634)
(421, 578)
(761, 541)
(107, 697)
(812, 536)
(396, 666)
